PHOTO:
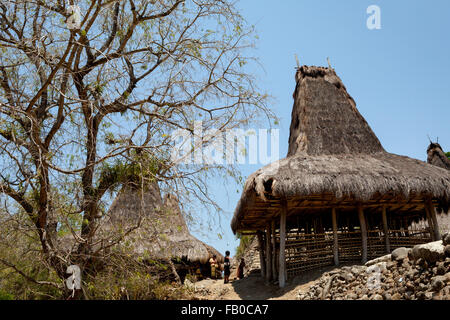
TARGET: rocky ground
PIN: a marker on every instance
(420, 273)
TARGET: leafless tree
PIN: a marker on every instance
(87, 108)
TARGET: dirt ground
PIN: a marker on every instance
(253, 287)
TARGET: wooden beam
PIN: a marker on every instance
(362, 223)
(269, 252)
(261, 254)
(430, 223)
(335, 237)
(274, 251)
(432, 212)
(385, 230)
(282, 260)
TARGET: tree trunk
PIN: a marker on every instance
(174, 271)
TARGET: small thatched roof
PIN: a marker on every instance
(437, 157)
(163, 232)
(334, 158)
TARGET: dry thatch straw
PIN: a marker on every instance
(437, 157)
(163, 233)
(334, 156)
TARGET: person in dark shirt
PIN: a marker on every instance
(226, 267)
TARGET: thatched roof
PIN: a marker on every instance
(437, 157)
(334, 158)
(163, 233)
(131, 203)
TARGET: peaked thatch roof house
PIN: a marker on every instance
(338, 195)
(163, 233)
(437, 157)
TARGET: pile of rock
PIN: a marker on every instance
(421, 273)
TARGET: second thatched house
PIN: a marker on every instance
(338, 196)
(437, 157)
(162, 233)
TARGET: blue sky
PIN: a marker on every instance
(399, 75)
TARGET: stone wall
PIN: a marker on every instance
(420, 273)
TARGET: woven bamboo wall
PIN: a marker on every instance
(313, 251)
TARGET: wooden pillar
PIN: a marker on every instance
(335, 237)
(430, 223)
(268, 252)
(282, 260)
(386, 230)
(406, 225)
(261, 254)
(362, 223)
(435, 226)
(274, 251)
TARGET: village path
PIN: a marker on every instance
(253, 287)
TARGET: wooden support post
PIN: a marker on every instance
(274, 251)
(335, 237)
(432, 212)
(261, 254)
(269, 253)
(362, 223)
(282, 261)
(406, 225)
(386, 230)
(430, 223)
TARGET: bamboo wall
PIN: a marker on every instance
(310, 246)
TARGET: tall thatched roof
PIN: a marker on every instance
(163, 232)
(334, 158)
(437, 157)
